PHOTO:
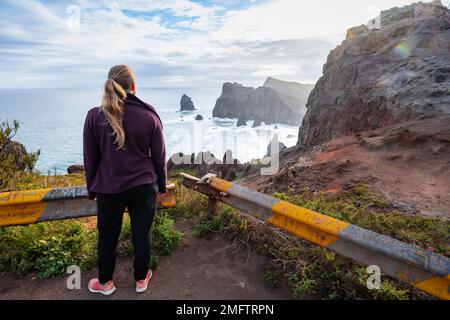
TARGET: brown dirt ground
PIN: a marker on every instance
(409, 163)
(199, 269)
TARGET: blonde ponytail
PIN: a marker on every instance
(120, 81)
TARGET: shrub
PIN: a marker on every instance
(271, 278)
(46, 248)
(164, 236)
(301, 286)
(12, 170)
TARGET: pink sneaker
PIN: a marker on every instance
(96, 287)
(141, 285)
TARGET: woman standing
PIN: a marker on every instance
(125, 163)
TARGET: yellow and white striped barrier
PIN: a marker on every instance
(423, 269)
(32, 206)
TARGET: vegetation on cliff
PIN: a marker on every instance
(16, 164)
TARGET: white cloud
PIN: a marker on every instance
(294, 19)
(174, 42)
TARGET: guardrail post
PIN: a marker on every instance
(212, 206)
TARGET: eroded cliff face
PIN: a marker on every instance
(380, 77)
(276, 102)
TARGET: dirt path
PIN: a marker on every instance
(200, 269)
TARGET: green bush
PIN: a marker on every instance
(46, 248)
(164, 236)
(209, 224)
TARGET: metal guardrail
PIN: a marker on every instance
(33, 206)
(423, 269)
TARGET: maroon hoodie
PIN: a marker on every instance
(142, 160)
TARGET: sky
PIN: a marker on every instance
(173, 43)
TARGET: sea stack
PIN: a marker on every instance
(186, 103)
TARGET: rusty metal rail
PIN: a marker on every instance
(423, 269)
(33, 206)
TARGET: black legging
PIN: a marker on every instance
(141, 204)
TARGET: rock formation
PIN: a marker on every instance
(297, 90)
(186, 103)
(380, 77)
(18, 153)
(276, 102)
(75, 168)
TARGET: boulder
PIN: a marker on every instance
(199, 117)
(18, 152)
(76, 168)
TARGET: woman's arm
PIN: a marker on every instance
(91, 154)
(158, 156)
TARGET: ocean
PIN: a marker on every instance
(52, 120)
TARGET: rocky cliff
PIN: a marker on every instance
(297, 90)
(276, 102)
(379, 77)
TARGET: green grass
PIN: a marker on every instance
(271, 278)
(164, 239)
(302, 286)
